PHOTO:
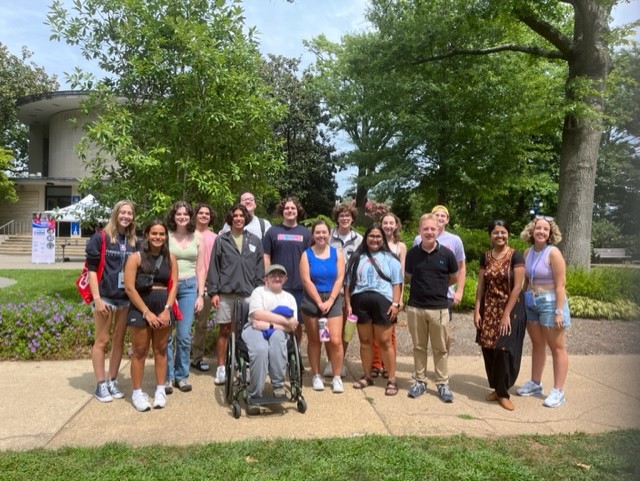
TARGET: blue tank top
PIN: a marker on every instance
(538, 268)
(323, 272)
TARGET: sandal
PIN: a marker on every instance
(363, 382)
(375, 372)
(391, 389)
(385, 373)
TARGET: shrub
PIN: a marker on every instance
(595, 309)
(44, 327)
(605, 283)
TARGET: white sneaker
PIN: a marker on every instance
(141, 402)
(160, 400)
(336, 385)
(328, 370)
(555, 399)
(318, 383)
(221, 376)
(530, 388)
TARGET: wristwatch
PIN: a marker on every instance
(396, 304)
(559, 312)
(167, 307)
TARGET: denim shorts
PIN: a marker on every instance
(544, 311)
(113, 304)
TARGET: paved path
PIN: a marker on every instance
(51, 404)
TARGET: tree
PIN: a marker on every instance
(183, 111)
(575, 32)
(18, 78)
(309, 171)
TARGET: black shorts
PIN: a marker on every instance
(155, 300)
(310, 308)
(371, 306)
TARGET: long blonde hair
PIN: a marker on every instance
(111, 229)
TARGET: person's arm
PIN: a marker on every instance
(262, 319)
(394, 308)
(518, 278)
(462, 277)
(559, 270)
(201, 275)
(260, 268)
(526, 279)
(266, 247)
(213, 276)
(402, 251)
(479, 295)
(307, 283)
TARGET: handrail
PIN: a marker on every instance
(8, 228)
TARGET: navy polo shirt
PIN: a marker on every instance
(430, 276)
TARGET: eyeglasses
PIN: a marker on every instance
(544, 217)
(248, 199)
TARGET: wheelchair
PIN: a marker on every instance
(237, 369)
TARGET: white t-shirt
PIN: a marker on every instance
(264, 299)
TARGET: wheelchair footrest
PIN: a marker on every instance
(264, 400)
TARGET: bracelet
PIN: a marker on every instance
(144, 314)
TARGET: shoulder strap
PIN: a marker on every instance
(158, 264)
(377, 268)
(262, 226)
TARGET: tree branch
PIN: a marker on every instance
(547, 31)
(531, 50)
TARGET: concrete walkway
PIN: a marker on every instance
(51, 404)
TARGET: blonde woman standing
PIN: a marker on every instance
(110, 302)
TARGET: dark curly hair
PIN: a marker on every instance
(296, 202)
(171, 216)
(229, 217)
(340, 208)
(202, 205)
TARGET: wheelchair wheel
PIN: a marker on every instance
(295, 371)
(302, 406)
(236, 409)
(230, 369)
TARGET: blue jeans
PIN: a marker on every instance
(178, 364)
(544, 310)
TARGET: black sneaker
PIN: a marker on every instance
(200, 365)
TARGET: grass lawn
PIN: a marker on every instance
(611, 456)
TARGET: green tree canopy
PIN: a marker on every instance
(183, 110)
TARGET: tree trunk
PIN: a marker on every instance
(590, 61)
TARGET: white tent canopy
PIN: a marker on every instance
(75, 212)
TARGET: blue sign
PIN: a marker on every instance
(75, 229)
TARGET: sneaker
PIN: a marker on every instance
(555, 399)
(168, 387)
(184, 385)
(160, 400)
(221, 376)
(114, 389)
(102, 393)
(200, 365)
(141, 402)
(530, 388)
(328, 370)
(445, 393)
(318, 383)
(279, 391)
(417, 389)
(336, 385)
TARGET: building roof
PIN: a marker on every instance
(38, 109)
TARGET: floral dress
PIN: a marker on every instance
(498, 281)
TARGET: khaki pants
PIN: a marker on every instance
(200, 331)
(434, 324)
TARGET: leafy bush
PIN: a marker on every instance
(595, 309)
(605, 284)
(44, 327)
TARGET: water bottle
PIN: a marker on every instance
(323, 330)
(350, 327)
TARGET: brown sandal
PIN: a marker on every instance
(375, 372)
(363, 382)
(391, 389)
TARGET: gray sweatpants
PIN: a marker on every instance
(265, 356)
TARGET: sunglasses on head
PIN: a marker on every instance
(544, 217)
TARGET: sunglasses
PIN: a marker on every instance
(544, 217)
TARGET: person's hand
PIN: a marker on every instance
(164, 319)
(559, 321)
(477, 320)
(260, 325)
(293, 324)
(215, 301)
(505, 325)
(101, 307)
(199, 304)
(457, 297)
(152, 320)
(392, 312)
(325, 306)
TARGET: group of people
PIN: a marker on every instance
(325, 278)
